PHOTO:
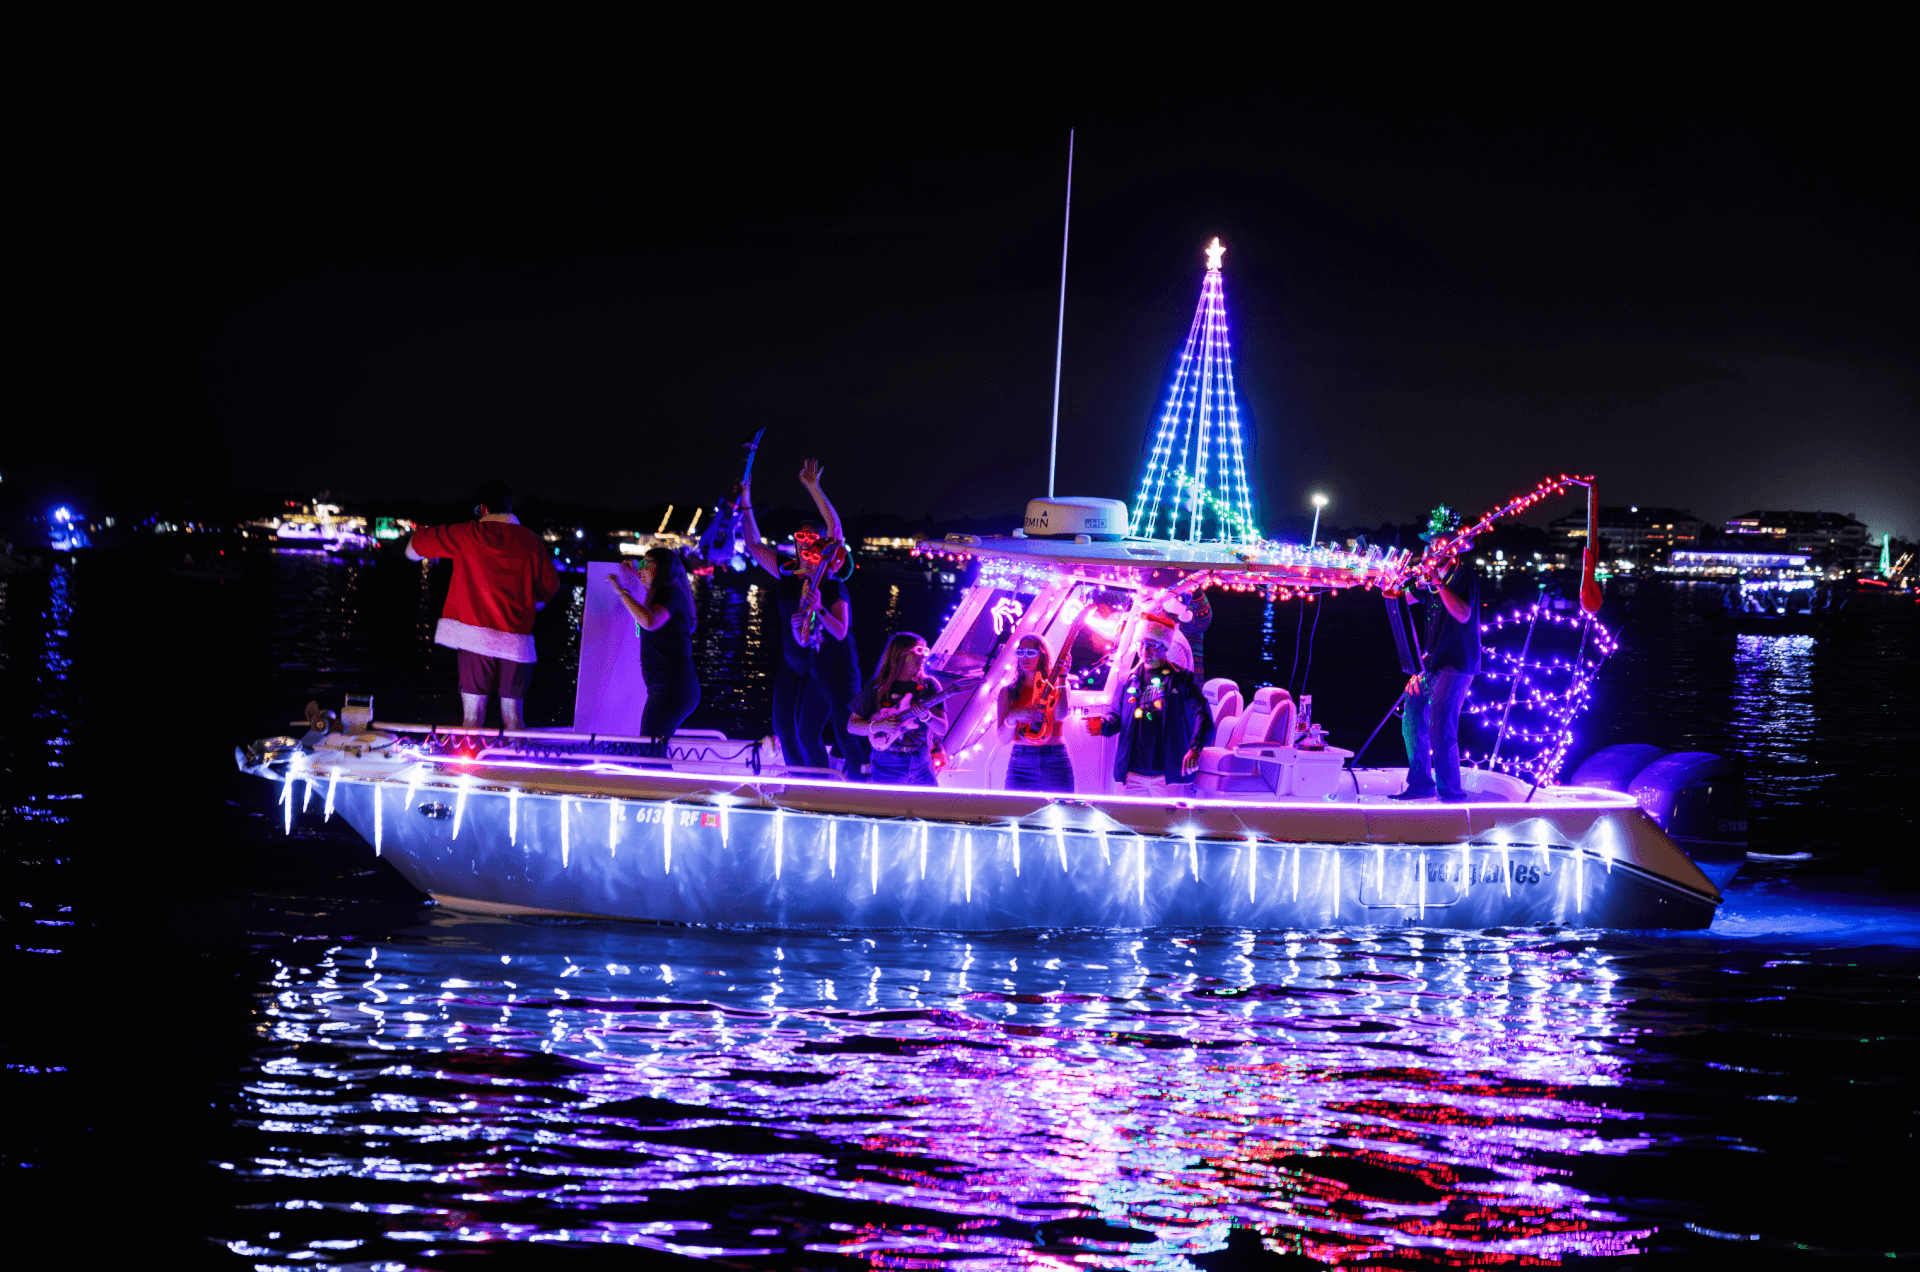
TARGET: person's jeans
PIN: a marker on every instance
(1430, 726)
(1040, 768)
(903, 768)
(669, 703)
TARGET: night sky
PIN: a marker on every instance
(1707, 301)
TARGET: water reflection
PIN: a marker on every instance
(1773, 718)
(932, 1098)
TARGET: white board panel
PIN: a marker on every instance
(610, 695)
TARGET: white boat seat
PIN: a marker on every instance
(1213, 690)
(1268, 718)
(1225, 711)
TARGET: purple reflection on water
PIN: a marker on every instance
(935, 1098)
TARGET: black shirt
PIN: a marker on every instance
(1450, 643)
(1145, 754)
(666, 653)
(836, 655)
(872, 701)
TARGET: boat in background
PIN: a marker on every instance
(324, 527)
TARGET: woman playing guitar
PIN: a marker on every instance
(1031, 709)
(899, 683)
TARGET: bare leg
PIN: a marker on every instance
(473, 710)
(512, 713)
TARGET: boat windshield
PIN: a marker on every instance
(992, 624)
(1096, 614)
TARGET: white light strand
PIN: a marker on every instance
(333, 780)
(460, 802)
(377, 828)
(566, 845)
(1199, 432)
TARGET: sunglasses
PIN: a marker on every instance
(1026, 653)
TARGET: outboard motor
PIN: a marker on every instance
(1697, 797)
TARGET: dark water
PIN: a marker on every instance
(266, 1051)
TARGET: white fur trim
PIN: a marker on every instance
(485, 641)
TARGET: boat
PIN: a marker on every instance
(320, 527)
(1282, 829)
(587, 824)
(1783, 607)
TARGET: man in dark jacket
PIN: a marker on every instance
(1162, 720)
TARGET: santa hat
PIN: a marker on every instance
(1163, 619)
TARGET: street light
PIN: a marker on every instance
(1319, 502)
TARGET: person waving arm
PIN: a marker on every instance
(810, 474)
(758, 548)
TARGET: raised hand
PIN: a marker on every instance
(811, 472)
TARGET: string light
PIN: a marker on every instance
(1437, 562)
(1527, 699)
(1199, 433)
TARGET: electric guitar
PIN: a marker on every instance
(888, 726)
(716, 545)
(1053, 687)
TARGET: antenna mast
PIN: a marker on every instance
(1060, 331)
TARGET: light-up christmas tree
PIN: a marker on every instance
(1195, 488)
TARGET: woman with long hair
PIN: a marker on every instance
(1031, 709)
(815, 680)
(666, 620)
(891, 712)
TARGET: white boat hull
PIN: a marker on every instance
(689, 848)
